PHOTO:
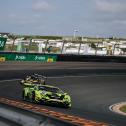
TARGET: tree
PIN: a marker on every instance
(13, 37)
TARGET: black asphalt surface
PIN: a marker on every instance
(92, 90)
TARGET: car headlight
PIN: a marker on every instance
(67, 98)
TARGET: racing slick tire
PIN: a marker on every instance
(23, 95)
(25, 98)
(33, 97)
(67, 106)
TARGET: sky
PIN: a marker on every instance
(93, 18)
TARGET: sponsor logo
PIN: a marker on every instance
(50, 60)
(2, 59)
(1, 43)
(20, 57)
(40, 58)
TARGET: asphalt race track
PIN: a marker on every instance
(92, 86)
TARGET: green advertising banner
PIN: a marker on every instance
(28, 57)
(2, 43)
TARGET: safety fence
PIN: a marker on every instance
(15, 56)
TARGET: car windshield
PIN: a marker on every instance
(51, 89)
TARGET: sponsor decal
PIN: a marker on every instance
(21, 57)
(1, 43)
(40, 58)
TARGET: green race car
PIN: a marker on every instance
(46, 94)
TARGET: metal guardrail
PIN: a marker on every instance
(33, 115)
(24, 117)
(7, 122)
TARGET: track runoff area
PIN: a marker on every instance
(92, 95)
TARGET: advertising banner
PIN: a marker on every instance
(29, 57)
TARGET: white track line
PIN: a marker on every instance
(71, 76)
(9, 80)
(86, 76)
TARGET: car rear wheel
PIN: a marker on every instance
(33, 96)
(68, 106)
(23, 95)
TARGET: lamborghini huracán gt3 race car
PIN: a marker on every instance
(46, 94)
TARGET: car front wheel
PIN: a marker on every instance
(23, 95)
(33, 96)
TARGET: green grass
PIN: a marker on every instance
(123, 108)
